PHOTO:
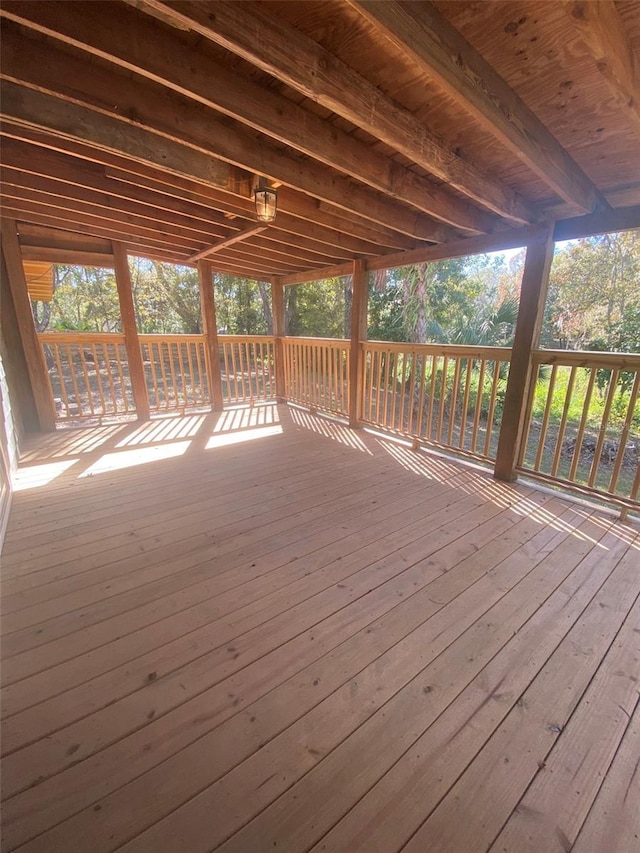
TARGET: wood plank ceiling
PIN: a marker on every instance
(385, 126)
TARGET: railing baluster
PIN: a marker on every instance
(61, 379)
(411, 393)
(492, 406)
(583, 425)
(563, 422)
(423, 379)
(96, 364)
(613, 382)
(159, 361)
(74, 383)
(89, 395)
(181, 387)
(191, 384)
(249, 372)
(203, 376)
(227, 370)
(121, 375)
(443, 397)
(172, 398)
(545, 418)
(110, 377)
(435, 359)
(465, 402)
(454, 401)
(478, 406)
(624, 435)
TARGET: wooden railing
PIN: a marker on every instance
(581, 429)
(89, 374)
(247, 364)
(176, 371)
(449, 396)
(583, 423)
(316, 373)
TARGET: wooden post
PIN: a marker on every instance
(34, 357)
(210, 329)
(535, 279)
(277, 312)
(359, 305)
(130, 330)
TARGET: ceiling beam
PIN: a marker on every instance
(304, 217)
(66, 256)
(139, 245)
(113, 228)
(110, 134)
(606, 221)
(39, 163)
(257, 267)
(422, 31)
(181, 240)
(33, 150)
(286, 53)
(83, 108)
(84, 196)
(134, 41)
(229, 241)
(51, 191)
(513, 239)
(605, 35)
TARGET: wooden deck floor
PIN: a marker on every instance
(261, 631)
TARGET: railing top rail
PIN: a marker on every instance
(81, 337)
(587, 358)
(500, 353)
(337, 342)
(266, 339)
(159, 337)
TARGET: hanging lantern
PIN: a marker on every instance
(266, 201)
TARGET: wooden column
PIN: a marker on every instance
(277, 312)
(533, 292)
(130, 330)
(210, 329)
(34, 357)
(359, 307)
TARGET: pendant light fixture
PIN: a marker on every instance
(266, 201)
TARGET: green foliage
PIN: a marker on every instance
(464, 300)
(320, 308)
(594, 294)
(242, 306)
(85, 300)
(166, 299)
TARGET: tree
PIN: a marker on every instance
(85, 299)
(319, 308)
(593, 287)
(242, 306)
(439, 301)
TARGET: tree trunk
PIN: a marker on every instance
(291, 319)
(266, 304)
(348, 304)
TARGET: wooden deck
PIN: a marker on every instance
(262, 631)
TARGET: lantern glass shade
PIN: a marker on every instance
(266, 201)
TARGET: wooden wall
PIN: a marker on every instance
(25, 415)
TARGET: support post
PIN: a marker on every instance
(130, 330)
(34, 357)
(277, 312)
(359, 306)
(210, 329)
(533, 292)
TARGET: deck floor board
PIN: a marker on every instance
(294, 636)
